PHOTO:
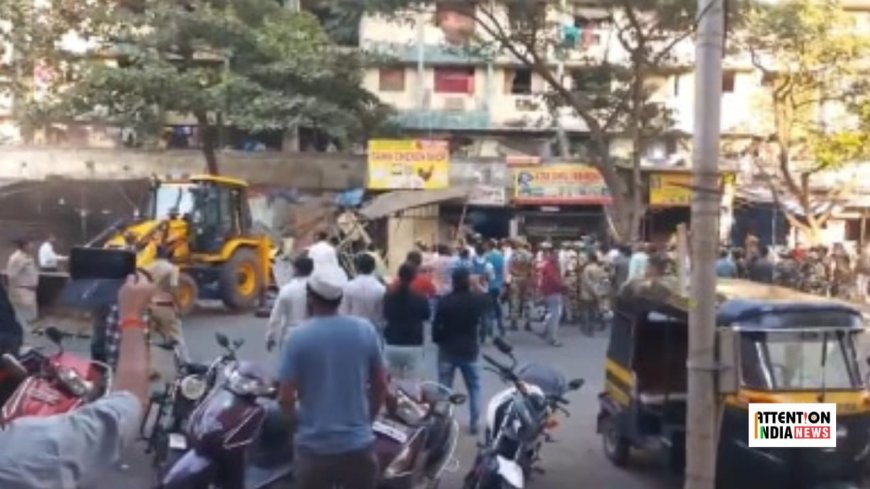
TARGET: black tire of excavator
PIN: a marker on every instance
(229, 280)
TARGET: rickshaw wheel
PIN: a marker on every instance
(616, 446)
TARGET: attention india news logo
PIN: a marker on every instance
(806, 425)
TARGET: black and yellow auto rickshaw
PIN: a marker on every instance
(774, 345)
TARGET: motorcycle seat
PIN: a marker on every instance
(273, 445)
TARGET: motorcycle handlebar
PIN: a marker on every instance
(559, 401)
(504, 371)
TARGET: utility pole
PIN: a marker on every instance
(702, 418)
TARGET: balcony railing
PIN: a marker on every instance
(472, 120)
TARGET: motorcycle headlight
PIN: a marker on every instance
(73, 381)
(192, 387)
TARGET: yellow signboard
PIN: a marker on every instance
(397, 164)
(670, 189)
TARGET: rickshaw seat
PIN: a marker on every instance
(652, 398)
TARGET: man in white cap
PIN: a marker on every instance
(334, 366)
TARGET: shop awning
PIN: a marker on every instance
(763, 195)
(387, 204)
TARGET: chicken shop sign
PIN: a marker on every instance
(408, 164)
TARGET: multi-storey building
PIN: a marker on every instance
(494, 107)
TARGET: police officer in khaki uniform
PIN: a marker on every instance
(163, 312)
(23, 276)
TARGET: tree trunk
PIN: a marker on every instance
(209, 136)
(811, 229)
(623, 212)
(637, 186)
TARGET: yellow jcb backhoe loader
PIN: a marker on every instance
(205, 222)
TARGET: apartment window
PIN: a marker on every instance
(454, 80)
(768, 79)
(524, 13)
(728, 79)
(518, 82)
(591, 80)
(391, 79)
(590, 29)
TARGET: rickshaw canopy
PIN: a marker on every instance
(738, 301)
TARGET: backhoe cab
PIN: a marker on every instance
(205, 222)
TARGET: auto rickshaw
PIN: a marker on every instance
(774, 345)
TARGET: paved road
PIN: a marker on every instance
(575, 456)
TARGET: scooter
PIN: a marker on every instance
(236, 437)
(519, 420)
(163, 424)
(54, 384)
(416, 437)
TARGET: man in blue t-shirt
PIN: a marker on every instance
(333, 364)
(495, 259)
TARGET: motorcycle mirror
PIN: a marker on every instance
(237, 343)
(457, 399)
(503, 346)
(576, 384)
(222, 340)
(15, 367)
(54, 334)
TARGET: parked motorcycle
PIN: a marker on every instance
(52, 384)
(238, 438)
(519, 420)
(170, 408)
(416, 437)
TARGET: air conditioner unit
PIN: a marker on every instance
(454, 103)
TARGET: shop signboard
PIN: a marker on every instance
(670, 189)
(488, 196)
(561, 184)
(405, 164)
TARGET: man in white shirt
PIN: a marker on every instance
(291, 305)
(48, 258)
(322, 253)
(364, 295)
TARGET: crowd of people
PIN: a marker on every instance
(827, 271)
(459, 297)
(340, 338)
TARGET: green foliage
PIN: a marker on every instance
(833, 150)
(811, 53)
(812, 56)
(33, 32)
(251, 64)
